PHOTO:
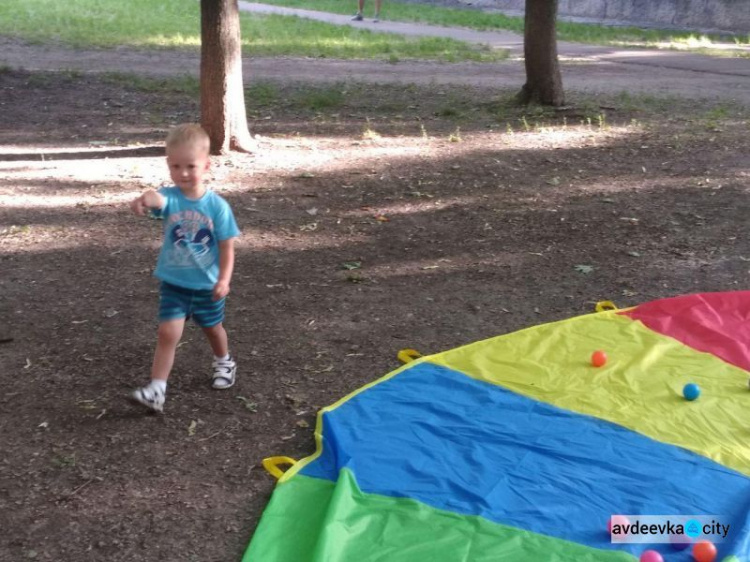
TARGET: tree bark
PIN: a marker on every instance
(223, 112)
(543, 78)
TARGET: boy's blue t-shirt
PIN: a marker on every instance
(189, 256)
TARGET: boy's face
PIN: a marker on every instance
(187, 165)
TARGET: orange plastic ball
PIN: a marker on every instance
(704, 551)
(598, 358)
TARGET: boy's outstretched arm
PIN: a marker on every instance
(147, 200)
(226, 268)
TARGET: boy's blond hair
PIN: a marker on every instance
(188, 134)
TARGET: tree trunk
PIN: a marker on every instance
(222, 94)
(543, 79)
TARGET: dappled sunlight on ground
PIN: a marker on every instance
(353, 246)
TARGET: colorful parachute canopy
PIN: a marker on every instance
(516, 448)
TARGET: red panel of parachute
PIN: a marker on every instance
(716, 323)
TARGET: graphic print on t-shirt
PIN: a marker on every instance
(191, 236)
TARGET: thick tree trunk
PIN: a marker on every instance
(222, 94)
(543, 79)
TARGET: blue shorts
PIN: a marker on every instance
(178, 302)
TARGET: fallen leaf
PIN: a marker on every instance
(582, 268)
(191, 427)
(312, 211)
(252, 406)
(381, 218)
(28, 363)
(634, 254)
(302, 423)
(349, 265)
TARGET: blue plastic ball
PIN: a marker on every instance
(691, 391)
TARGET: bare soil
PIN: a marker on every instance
(375, 217)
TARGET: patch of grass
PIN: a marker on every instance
(320, 99)
(105, 23)
(567, 31)
(179, 85)
(176, 23)
(45, 79)
(282, 35)
(262, 93)
(448, 111)
(372, 112)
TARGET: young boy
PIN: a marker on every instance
(195, 264)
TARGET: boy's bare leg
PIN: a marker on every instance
(225, 367)
(153, 394)
(377, 8)
(217, 338)
(361, 6)
(169, 335)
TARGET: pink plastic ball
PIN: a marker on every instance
(617, 520)
(651, 556)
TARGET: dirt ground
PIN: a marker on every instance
(374, 218)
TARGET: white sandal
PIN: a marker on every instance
(150, 397)
(225, 372)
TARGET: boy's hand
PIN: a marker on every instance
(138, 206)
(221, 290)
(147, 201)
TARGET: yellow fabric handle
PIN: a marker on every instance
(271, 464)
(603, 306)
(408, 355)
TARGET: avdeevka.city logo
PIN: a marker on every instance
(644, 529)
(693, 529)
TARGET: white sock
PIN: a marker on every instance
(225, 358)
(159, 384)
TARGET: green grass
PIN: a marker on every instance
(477, 19)
(179, 84)
(176, 23)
